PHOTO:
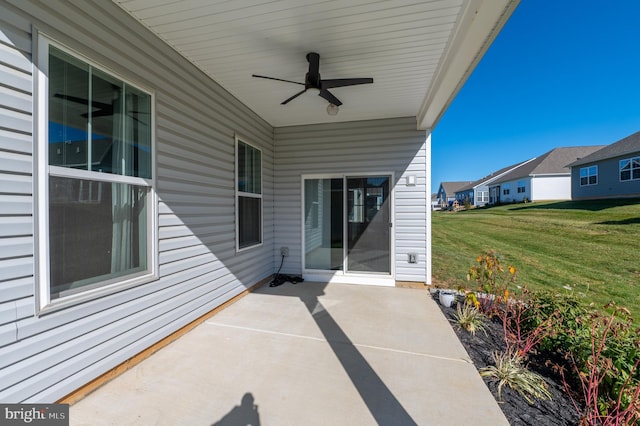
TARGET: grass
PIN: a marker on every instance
(592, 247)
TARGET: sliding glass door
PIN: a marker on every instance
(323, 223)
(355, 209)
(368, 223)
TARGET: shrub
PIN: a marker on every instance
(608, 374)
(566, 335)
(526, 324)
(492, 280)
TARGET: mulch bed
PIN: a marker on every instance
(557, 411)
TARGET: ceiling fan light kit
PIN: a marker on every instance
(332, 109)
(312, 80)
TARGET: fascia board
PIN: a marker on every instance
(480, 23)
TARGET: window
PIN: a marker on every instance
(630, 169)
(521, 187)
(588, 176)
(96, 191)
(249, 195)
(483, 196)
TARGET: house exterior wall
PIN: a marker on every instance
(466, 195)
(513, 196)
(379, 146)
(481, 195)
(537, 188)
(609, 184)
(44, 357)
(498, 190)
(556, 187)
(442, 196)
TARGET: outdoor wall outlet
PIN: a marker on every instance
(413, 258)
(284, 251)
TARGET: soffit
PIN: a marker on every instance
(418, 52)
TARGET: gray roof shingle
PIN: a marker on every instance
(489, 178)
(452, 187)
(628, 145)
(553, 162)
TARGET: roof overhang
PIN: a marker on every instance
(480, 24)
(418, 53)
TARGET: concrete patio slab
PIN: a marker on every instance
(311, 354)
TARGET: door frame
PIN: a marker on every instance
(344, 276)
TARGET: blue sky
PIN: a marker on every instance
(560, 73)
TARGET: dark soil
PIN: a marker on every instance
(557, 411)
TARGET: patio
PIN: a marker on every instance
(305, 354)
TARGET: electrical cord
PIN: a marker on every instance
(281, 279)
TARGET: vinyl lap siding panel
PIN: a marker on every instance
(44, 358)
(375, 146)
(16, 181)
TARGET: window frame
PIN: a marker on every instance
(589, 175)
(43, 171)
(238, 140)
(631, 161)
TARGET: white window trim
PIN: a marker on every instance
(238, 194)
(631, 179)
(42, 171)
(589, 175)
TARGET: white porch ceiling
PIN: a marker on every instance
(418, 52)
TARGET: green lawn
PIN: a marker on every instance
(591, 246)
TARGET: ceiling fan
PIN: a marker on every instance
(312, 80)
(103, 109)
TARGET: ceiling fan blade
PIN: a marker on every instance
(277, 79)
(100, 113)
(83, 101)
(329, 97)
(293, 97)
(341, 82)
(313, 75)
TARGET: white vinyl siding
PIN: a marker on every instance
(16, 178)
(367, 147)
(46, 357)
(551, 187)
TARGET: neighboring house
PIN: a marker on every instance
(477, 192)
(611, 172)
(447, 191)
(138, 194)
(435, 205)
(546, 177)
